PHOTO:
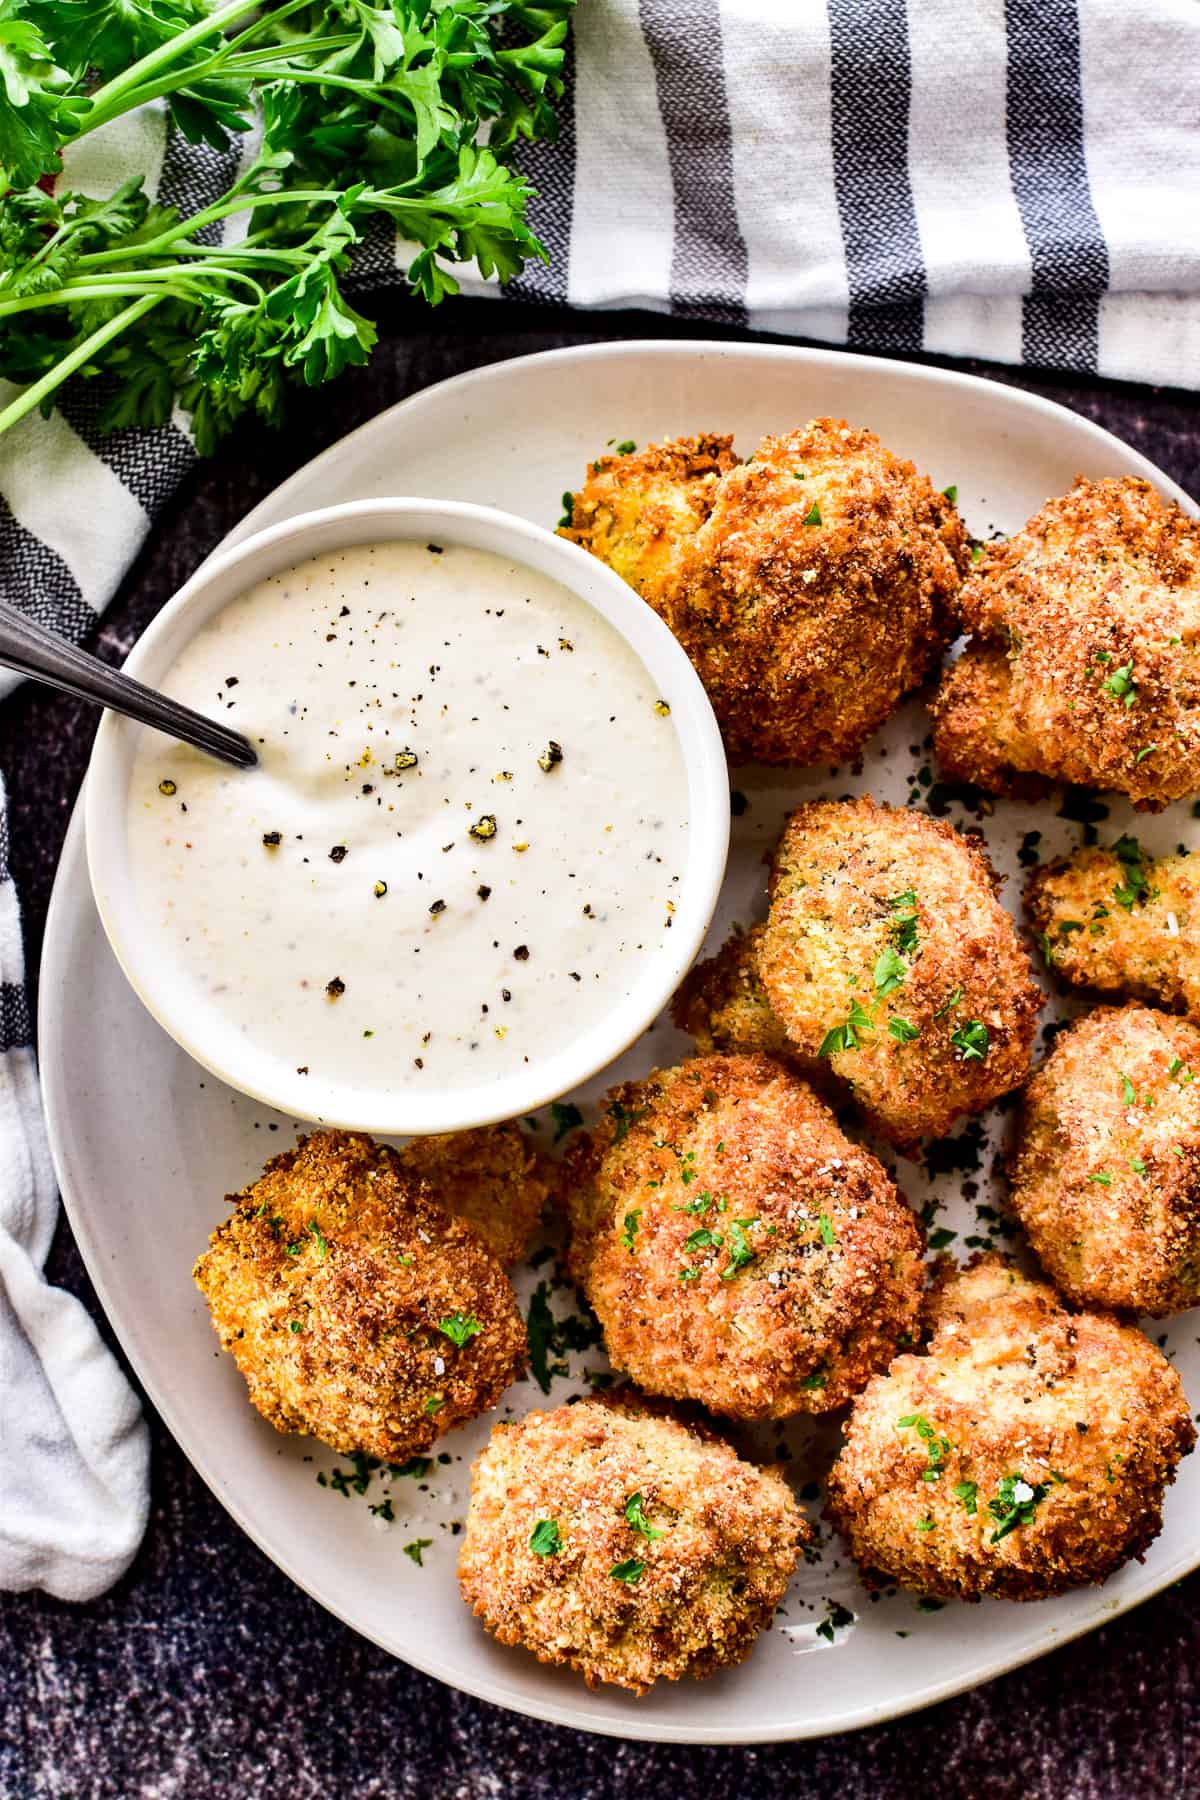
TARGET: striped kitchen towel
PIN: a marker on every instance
(1017, 180)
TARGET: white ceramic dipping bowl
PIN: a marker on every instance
(222, 1044)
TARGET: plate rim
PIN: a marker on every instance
(70, 891)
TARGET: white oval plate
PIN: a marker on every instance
(146, 1144)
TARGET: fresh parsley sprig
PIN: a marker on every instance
(366, 111)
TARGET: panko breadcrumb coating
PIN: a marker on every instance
(887, 952)
(493, 1177)
(722, 1004)
(625, 1545)
(1122, 922)
(1106, 1168)
(639, 511)
(1084, 665)
(1026, 1453)
(737, 1248)
(812, 587)
(358, 1311)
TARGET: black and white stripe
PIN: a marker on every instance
(1050, 179)
(708, 257)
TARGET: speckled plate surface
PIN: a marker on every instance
(146, 1144)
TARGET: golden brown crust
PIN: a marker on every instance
(493, 1177)
(1085, 660)
(1106, 1168)
(1099, 929)
(812, 587)
(638, 512)
(722, 1004)
(328, 1285)
(818, 592)
(1081, 1411)
(730, 1539)
(843, 934)
(737, 1248)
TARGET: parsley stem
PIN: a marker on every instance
(36, 392)
(170, 52)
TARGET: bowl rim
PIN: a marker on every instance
(142, 952)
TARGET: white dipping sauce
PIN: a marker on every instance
(334, 903)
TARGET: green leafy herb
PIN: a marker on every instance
(1121, 685)
(1015, 1504)
(416, 1466)
(568, 510)
(626, 447)
(567, 1117)
(949, 1004)
(629, 1571)
(951, 492)
(903, 1030)
(460, 1328)
(889, 972)
(1102, 1179)
(1128, 1091)
(937, 1447)
(968, 1493)
(818, 1379)
(635, 1517)
(625, 1119)
(384, 1510)
(740, 1250)
(812, 516)
(416, 1547)
(971, 1040)
(629, 1228)
(704, 1239)
(828, 1234)
(545, 1539)
(434, 1404)
(845, 1037)
(1136, 884)
(836, 1619)
(904, 929)
(339, 115)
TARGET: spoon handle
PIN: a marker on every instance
(31, 649)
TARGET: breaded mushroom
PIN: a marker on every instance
(722, 1004)
(1106, 1167)
(887, 952)
(1084, 663)
(737, 1248)
(639, 510)
(626, 1545)
(356, 1308)
(1122, 922)
(1026, 1453)
(493, 1177)
(812, 587)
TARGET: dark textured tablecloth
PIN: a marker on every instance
(205, 1674)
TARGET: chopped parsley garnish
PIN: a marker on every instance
(1121, 685)
(318, 1240)
(828, 1234)
(889, 972)
(434, 1404)
(937, 1447)
(968, 1493)
(812, 516)
(635, 1518)
(416, 1466)
(818, 1379)
(1136, 884)
(550, 1337)
(951, 492)
(704, 1239)
(925, 1524)
(836, 1619)
(1128, 1092)
(971, 1040)
(1143, 754)
(1137, 1165)
(845, 1037)
(625, 1118)
(905, 928)
(545, 1539)
(384, 1510)
(903, 1030)
(939, 1239)
(1102, 1179)
(567, 1117)
(1015, 1504)
(460, 1328)
(626, 447)
(568, 509)
(629, 1228)
(949, 1004)
(416, 1547)
(629, 1571)
(740, 1251)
